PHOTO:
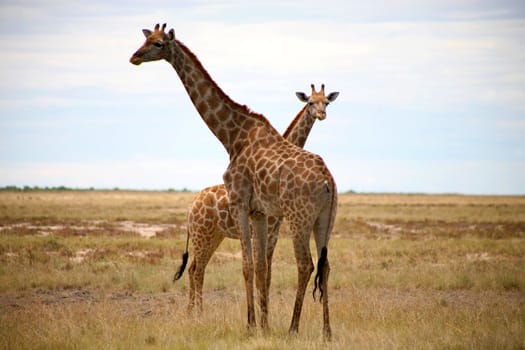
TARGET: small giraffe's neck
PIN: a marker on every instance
(228, 120)
(299, 129)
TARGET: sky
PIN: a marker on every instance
(432, 92)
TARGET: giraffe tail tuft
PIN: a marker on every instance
(318, 281)
(182, 267)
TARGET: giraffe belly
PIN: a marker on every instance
(266, 198)
(266, 206)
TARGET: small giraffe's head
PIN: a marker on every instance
(155, 47)
(317, 101)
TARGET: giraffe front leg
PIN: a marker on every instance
(274, 224)
(241, 218)
(247, 269)
(260, 234)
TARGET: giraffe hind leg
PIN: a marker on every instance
(327, 330)
(322, 229)
(305, 267)
(202, 257)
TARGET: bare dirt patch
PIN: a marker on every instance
(429, 229)
(147, 303)
(92, 228)
(145, 230)
(80, 255)
(140, 304)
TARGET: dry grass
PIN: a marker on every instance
(371, 319)
(408, 272)
(50, 207)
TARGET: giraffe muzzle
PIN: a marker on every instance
(136, 59)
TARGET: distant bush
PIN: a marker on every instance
(13, 188)
(10, 188)
(38, 188)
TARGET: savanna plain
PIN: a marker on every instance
(94, 269)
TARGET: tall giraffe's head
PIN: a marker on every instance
(155, 47)
(317, 101)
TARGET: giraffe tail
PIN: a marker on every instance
(318, 281)
(323, 257)
(182, 267)
(185, 255)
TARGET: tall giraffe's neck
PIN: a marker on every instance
(299, 129)
(229, 121)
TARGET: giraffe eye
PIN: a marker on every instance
(159, 44)
(310, 103)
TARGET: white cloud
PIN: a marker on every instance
(398, 63)
(395, 63)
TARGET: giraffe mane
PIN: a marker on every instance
(240, 108)
(294, 122)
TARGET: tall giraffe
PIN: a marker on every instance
(267, 176)
(209, 219)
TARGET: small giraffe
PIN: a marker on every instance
(267, 176)
(209, 219)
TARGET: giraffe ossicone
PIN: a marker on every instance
(267, 176)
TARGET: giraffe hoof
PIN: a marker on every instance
(327, 334)
(251, 330)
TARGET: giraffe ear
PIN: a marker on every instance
(171, 34)
(332, 96)
(301, 96)
(146, 32)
